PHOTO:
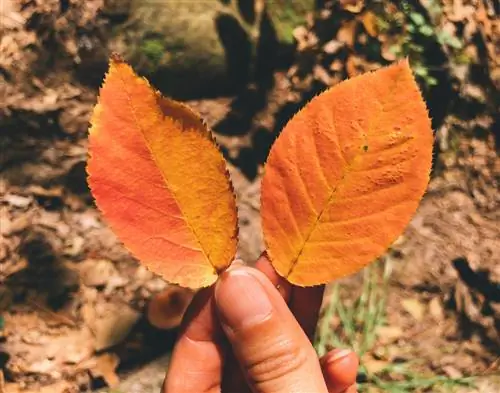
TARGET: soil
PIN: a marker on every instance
(73, 299)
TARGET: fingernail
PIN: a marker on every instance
(241, 299)
(335, 356)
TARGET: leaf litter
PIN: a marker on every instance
(458, 217)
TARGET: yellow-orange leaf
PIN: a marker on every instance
(346, 175)
(160, 181)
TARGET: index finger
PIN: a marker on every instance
(304, 303)
(197, 360)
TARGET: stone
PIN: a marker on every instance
(186, 48)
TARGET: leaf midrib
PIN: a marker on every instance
(346, 171)
(164, 176)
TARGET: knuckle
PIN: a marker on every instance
(279, 360)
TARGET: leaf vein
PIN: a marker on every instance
(165, 178)
(363, 217)
(299, 174)
(370, 193)
(122, 195)
(347, 169)
(163, 237)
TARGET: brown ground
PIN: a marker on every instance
(72, 299)
(446, 315)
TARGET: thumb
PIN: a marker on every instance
(273, 350)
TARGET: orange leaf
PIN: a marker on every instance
(346, 175)
(160, 181)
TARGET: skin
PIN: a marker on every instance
(251, 332)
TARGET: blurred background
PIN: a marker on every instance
(75, 312)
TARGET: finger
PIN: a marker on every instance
(271, 347)
(305, 305)
(197, 360)
(234, 379)
(339, 367)
(166, 309)
(283, 286)
(351, 389)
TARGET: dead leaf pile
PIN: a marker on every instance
(64, 277)
(45, 212)
(352, 37)
(40, 35)
(66, 296)
(349, 37)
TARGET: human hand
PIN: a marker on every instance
(241, 336)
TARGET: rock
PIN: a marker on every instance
(148, 379)
(116, 9)
(110, 324)
(187, 48)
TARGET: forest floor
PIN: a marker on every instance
(73, 299)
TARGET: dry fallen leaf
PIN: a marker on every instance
(452, 372)
(347, 33)
(369, 21)
(414, 307)
(10, 15)
(352, 65)
(105, 367)
(436, 309)
(95, 273)
(388, 334)
(110, 324)
(160, 181)
(374, 366)
(354, 6)
(57, 387)
(346, 175)
(387, 48)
